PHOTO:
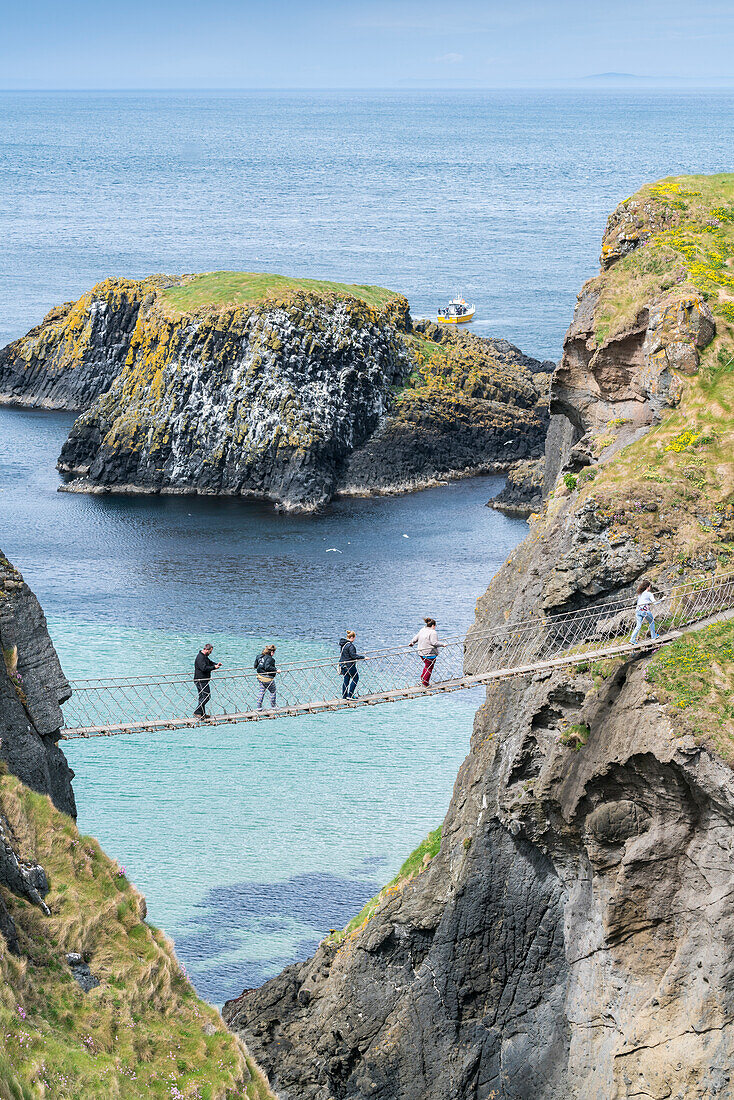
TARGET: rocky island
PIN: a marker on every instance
(288, 390)
(568, 930)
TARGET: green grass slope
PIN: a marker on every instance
(142, 1032)
(695, 677)
(685, 226)
(233, 288)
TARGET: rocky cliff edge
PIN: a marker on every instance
(32, 688)
(573, 935)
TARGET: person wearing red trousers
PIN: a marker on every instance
(428, 646)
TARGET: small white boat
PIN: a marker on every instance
(456, 313)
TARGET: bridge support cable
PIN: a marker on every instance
(106, 707)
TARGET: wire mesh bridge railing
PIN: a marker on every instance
(104, 708)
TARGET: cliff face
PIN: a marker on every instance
(78, 350)
(639, 328)
(32, 687)
(295, 393)
(572, 938)
(469, 405)
(263, 401)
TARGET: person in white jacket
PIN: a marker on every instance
(428, 646)
(644, 612)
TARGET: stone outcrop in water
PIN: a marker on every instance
(573, 936)
(262, 402)
(522, 493)
(292, 397)
(470, 405)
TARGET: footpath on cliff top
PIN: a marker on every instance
(568, 930)
(287, 390)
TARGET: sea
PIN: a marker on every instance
(250, 842)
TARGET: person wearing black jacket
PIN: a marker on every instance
(347, 665)
(266, 673)
(203, 668)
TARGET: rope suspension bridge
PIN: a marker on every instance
(134, 704)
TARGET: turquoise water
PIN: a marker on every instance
(250, 842)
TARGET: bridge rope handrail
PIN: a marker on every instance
(608, 607)
(137, 702)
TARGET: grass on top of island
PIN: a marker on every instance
(223, 288)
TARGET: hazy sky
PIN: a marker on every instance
(360, 43)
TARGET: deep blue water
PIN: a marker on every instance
(251, 842)
(237, 567)
(502, 195)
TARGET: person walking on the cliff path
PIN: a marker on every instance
(347, 664)
(644, 612)
(266, 673)
(203, 668)
(428, 646)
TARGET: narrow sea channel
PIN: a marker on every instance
(251, 842)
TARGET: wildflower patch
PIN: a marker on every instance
(683, 441)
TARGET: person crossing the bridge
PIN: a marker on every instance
(347, 664)
(428, 646)
(644, 612)
(266, 673)
(203, 668)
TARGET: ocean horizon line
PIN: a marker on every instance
(590, 84)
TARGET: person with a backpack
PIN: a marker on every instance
(644, 612)
(428, 646)
(347, 664)
(266, 673)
